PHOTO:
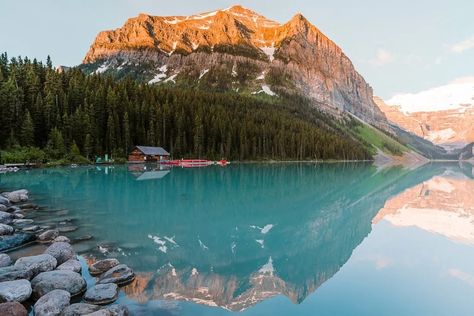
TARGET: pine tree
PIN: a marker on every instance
(27, 131)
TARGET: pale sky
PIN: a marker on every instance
(398, 46)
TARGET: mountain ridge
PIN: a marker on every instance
(237, 49)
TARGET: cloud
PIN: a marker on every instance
(463, 46)
(383, 57)
(455, 95)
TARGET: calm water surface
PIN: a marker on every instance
(284, 239)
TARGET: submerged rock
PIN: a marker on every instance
(22, 221)
(32, 228)
(6, 218)
(71, 265)
(3, 208)
(5, 260)
(13, 309)
(48, 235)
(102, 266)
(16, 240)
(118, 310)
(66, 280)
(62, 251)
(37, 264)
(80, 309)
(102, 294)
(120, 275)
(67, 229)
(16, 196)
(52, 303)
(15, 291)
(6, 230)
(62, 239)
(11, 273)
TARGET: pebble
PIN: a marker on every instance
(6, 230)
(66, 280)
(13, 309)
(15, 291)
(72, 265)
(80, 309)
(5, 260)
(102, 266)
(37, 264)
(62, 251)
(102, 294)
(119, 275)
(48, 235)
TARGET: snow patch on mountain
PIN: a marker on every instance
(458, 94)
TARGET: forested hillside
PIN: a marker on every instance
(66, 113)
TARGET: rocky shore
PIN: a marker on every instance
(52, 282)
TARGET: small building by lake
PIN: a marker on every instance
(142, 154)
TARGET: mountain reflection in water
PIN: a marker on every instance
(234, 237)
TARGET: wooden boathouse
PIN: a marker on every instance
(141, 154)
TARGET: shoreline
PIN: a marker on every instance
(40, 270)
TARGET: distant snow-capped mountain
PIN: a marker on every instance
(443, 115)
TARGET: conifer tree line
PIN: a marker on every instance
(69, 112)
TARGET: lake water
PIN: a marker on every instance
(276, 239)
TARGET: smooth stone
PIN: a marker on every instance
(66, 280)
(83, 238)
(28, 206)
(52, 303)
(23, 221)
(102, 266)
(6, 229)
(62, 239)
(5, 260)
(4, 201)
(48, 235)
(67, 229)
(16, 196)
(114, 310)
(13, 209)
(13, 309)
(120, 275)
(37, 264)
(71, 265)
(3, 208)
(79, 309)
(15, 291)
(11, 273)
(16, 240)
(18, 215)
(32, 228)
(102, 294)
(6, 218)
(62, 251)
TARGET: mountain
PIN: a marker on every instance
(443, 115)
(239, 50)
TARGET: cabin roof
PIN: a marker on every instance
(153, 151)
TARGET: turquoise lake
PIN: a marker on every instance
(273, 239)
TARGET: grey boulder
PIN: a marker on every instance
(102, 294)
(6, 218)
(52, 303)
(3, 208)
(48, 235)
(15, 291)
(62, 251)
(66, 280)
(37, 264)
(11, 273)
(6, 229)
(119, 275)
(79, 309)
(4, 201)
(16, 196)
(71, 265)
(102, 266)
(5, 260)
(13, 309)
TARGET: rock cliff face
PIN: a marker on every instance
(236, 49)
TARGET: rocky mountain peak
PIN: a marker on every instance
(296, 57)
